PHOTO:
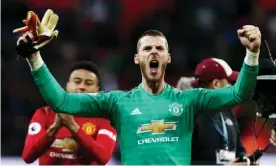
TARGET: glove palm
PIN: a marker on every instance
(43, 32)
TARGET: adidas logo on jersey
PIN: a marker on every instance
(135, 112)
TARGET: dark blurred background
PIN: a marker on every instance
(106, 32)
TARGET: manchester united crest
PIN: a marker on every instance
(89, 128)
(176, 109)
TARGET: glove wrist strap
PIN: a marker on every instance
(35, 61)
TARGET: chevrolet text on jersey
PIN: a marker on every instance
(156, 140)
(62, 155)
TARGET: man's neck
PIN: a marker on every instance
(153, 87)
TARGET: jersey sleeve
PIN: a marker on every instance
(241, 91)
(37, 141)
(80, 104)
(100, 149)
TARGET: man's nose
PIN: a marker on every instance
(154, 51)
(81, 88)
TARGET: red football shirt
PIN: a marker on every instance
(93, 144)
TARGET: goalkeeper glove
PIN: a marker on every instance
(43, 32)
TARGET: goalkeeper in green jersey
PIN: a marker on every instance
(154, 121)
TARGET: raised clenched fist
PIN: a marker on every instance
(250, 37)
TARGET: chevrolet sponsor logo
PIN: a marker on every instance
(157, 127)
(158, 140)
(63, 156)
(66, 144)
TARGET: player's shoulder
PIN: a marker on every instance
(99, 120)
(44, 110)
(133, 90)
(110, 93)
(136, 91)
(116, 92)
(173, 89)
(188, 92)
(120, 94)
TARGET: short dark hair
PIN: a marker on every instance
(86, 65)
(151, 33)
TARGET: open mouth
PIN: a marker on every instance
(154, 66)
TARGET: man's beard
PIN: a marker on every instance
(152, 78)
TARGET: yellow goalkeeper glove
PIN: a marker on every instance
(43, 32)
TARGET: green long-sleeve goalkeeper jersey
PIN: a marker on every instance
(152, 128)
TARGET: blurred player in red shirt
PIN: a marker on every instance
(63, 139)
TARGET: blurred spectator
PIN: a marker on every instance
(185, 83)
